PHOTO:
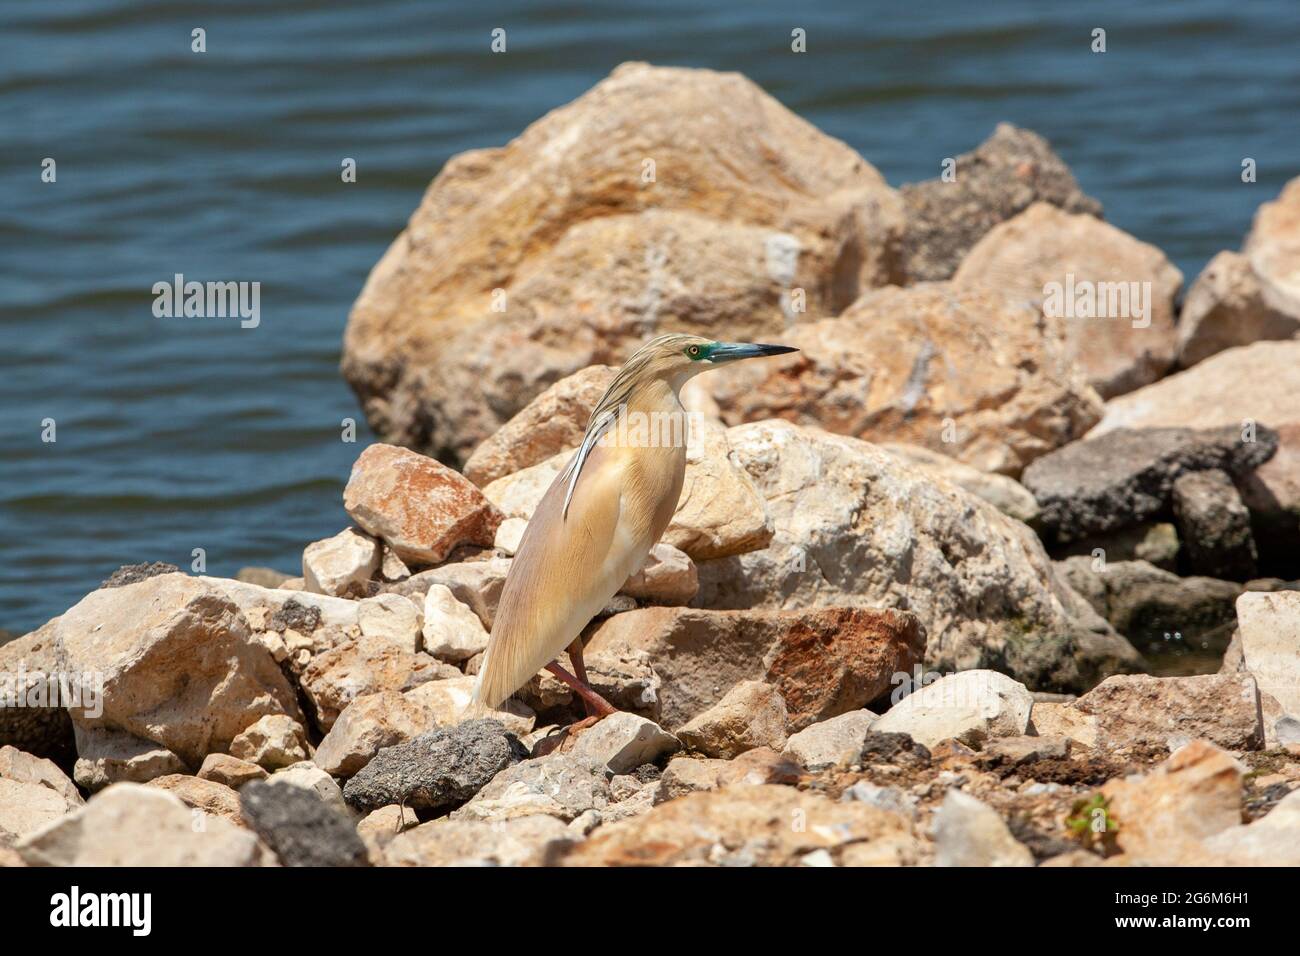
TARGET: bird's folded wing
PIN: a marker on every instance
(563, 573)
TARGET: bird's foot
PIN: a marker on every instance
(596, 706)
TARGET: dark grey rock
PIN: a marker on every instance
(1216, 526)
(888, 747)
(296, 616)
(1127, 476)
(131, 573)
(1011, 170)
(299, 826)
(441, 768)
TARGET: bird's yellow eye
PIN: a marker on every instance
(694, 350)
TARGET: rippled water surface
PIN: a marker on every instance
(176, 434)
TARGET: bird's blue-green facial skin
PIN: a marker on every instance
(699, 353)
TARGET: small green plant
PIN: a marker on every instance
(1092, 825)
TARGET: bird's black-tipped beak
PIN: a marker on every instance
(732, 351)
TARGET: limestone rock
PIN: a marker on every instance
(299, 828)
(823, 662)
(1270, 644)
(452, 631)
(341, 566)
(111, 756)
(1114, 294)
(441, 768)
(272, 742)
(831, 743)
(855, 526)
(133, 825)
(598, 257)
(37, 725)
(669, 577)
(1006, 494)
(528, 841)
(307, 776)
(179, 665)
(1215, 525)
(211, 798)
(957, 370)
(1133, 709)
(394, 618)
(622, 742)
(564, 786)
(1272, 840)
(368, 724)
(33, 792)
(688, 774)
(553, 422)
(751, 714)
(228, 770)
(421, 508)
(969, 706)
(1007, 173)
(742, 825)
(477, 584)
(21, 767)
(366, 665)
(719, 512)
(970, 833)
(509, 535)
(1163, 816)
(1127, 476)
(1227, 306)
(447, 703)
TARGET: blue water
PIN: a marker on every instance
(176, 434)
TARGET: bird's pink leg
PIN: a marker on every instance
(595, 705)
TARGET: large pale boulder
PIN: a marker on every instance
(856, 526)
(1135, 709)
(178, 662)
(452, 631)
(824, 662)
(1006, 494)
(420, 508)
(663, 199)
(956, 369)
(33, 793)
(1114, 294)
(1004, 175)
(751, 714)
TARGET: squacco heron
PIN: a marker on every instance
(600, 517)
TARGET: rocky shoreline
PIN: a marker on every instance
(963, 582)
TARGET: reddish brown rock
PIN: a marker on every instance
(553, 422)
(824, 662)
(421, 508)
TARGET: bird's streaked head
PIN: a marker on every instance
(678, 356)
